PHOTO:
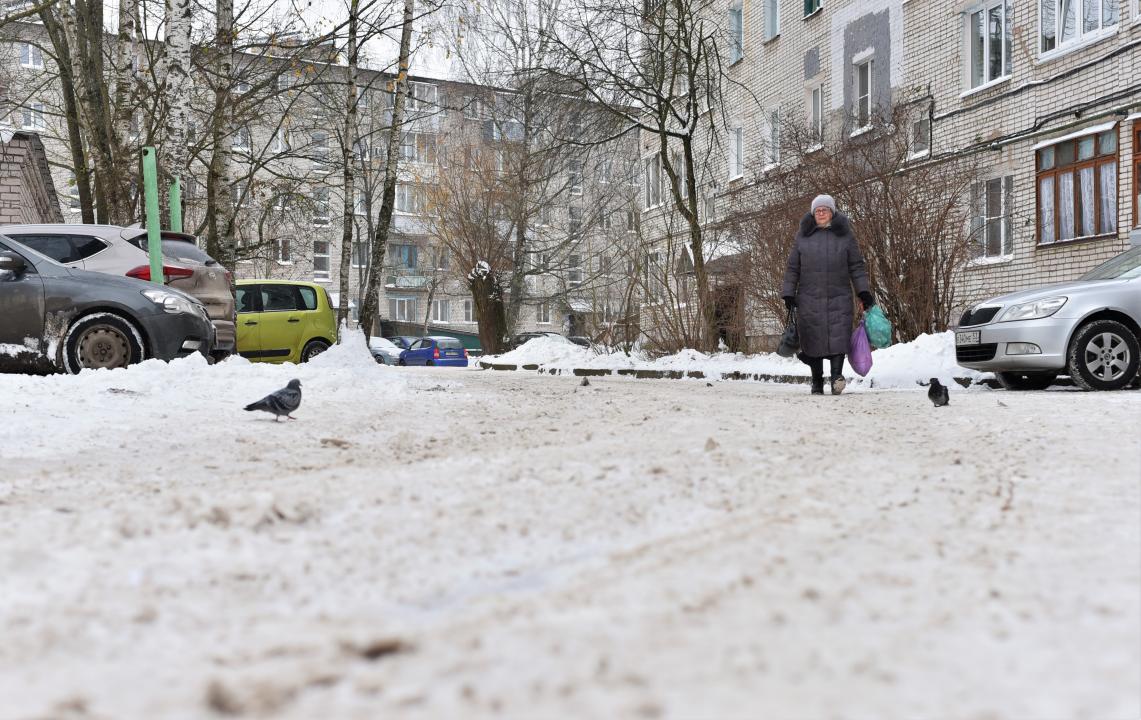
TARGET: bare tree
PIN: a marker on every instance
(656, 68)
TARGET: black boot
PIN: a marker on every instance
(817, 367)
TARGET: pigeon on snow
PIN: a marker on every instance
(280, 402)
(938, 394)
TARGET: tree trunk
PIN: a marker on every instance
(176, 80)
(219, 192)
(380, 241)
(71, 114)
(490, 313)
(348, 143)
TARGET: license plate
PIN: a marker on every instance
(969, 337)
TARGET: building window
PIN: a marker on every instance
(440, 312)
(469, 311)
(404, 256)
(411, 198)
(321, 206)
(472, 110)
(772, 140)
(1137, 162)
(678, 162)
(1077, 187)
(1067, 22)
(284, 251)
(864, 94)
(72, 192)
(360, 251)
(31, 56)
(709, 209)
(320, 260)
(574, 171)
(989, 29)
(241, 141)
(574, 269)
(736, 34)
(32, 116)
(574, 221)
(544, 313)
(631, 221)
(772, 19)
(736, 152)
(605, 171)
(422, 97)
(545, 215)
(921, 136)
(816, 112)
(990, 217)
(418, 148)
(320, 148)
(443, 259)
(811, 6)
(402, 308)
(653, 181)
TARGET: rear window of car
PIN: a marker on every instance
(449, 343)
(308, 297)
(175, 249)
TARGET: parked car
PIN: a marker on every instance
(124, 251)
(579, 340)
(284, 320)
(403, 341)
(521, 338)
(1089, 329)
(58, 318)
(384, 351)
(433, 350)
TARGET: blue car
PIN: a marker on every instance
(435, 350)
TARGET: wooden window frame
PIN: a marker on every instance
(1074, 168)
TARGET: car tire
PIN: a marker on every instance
(312, 349)
(102, 340)
(1026, 380)
(1103, 355)
(401, 362)
(430, 363)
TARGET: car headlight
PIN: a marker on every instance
(170, 302)
(1032, 310)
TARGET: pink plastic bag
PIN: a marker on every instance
(860, 351)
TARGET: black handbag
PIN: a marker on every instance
(790, 340)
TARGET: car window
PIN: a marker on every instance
(1126, 265)
(308, 297)
(276, 298)
(183, 250)
(418, 344)
(450, 343)
(246, 298)
(86, 246)
(57, 247)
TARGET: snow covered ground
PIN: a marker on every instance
(898, 366)
(447, 543)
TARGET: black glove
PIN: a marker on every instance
(867, 299)
(789, 302)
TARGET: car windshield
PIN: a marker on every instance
(1125, 266)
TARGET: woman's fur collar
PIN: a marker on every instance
(839, 225)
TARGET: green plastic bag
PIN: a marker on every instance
(878, 327)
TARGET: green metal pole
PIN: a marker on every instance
(176, 204)
(154, 233)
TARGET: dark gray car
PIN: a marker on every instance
(54, 318)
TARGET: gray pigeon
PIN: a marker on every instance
(280, 402)
(938, 394)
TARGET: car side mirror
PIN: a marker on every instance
(12, 262)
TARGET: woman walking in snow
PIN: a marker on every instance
(824, 265)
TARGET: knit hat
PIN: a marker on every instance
(824, 201)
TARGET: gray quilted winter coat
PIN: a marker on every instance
(824, 265)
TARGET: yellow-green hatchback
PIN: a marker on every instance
(284, 320)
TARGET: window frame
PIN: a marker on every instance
(1006, 43)
(859, 67)
(652, 181)
(34, 51)
(32, 117)
(543, 313)
(1074, 168)
(771, 30)
(982, 221)
(469, 311)
(736, 21)
(816, 111)
(736, 153)
(772, 138)
(438, 305)
(1081, 35)
(811, 7)
(319, 275)
(574, 177)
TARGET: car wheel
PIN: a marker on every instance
(401, 362)
(1103, 356)
(102, 340)
(1026, 380)
(430, 363)
(313, 348)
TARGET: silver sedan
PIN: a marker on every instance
(1089, 329)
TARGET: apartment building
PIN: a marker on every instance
(1044, 95)
(289, 193)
